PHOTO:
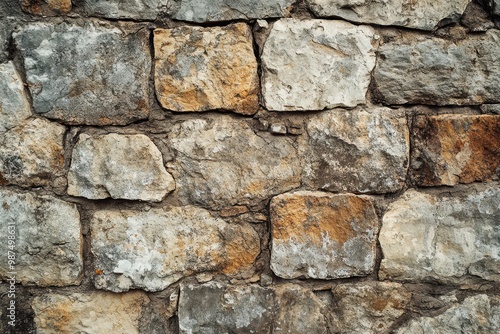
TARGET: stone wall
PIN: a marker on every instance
(265, 166)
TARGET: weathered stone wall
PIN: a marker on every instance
(250, 166)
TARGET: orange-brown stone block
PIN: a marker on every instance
(46, 7)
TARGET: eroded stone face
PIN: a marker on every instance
(125, 9)
(48, 245)
(46, 7)
(95, 312)
(317, 64)
(320, 235)
(199, 69)
(151, 250)
(220, 161)
(448, 238)
(14, 106)
(360, 150)
(110, 83)
(423, 70)
(421, 14)
(118, 166)
(451, 149)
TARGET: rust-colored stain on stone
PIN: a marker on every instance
(242, 248)
(46, 7)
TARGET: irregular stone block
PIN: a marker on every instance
(153, 249)
(496, 7)
(451, 149)
(47, 246)
(101, 312)
(110, 83)
(4, 38)
(320, 235)
(424, 15)
(368, 307)
(14, 106)
(448, 238)
(317, 64)
(491, 108)
(125, 9)
(222, 10)
(46, 7)
(423, 70)
(99, 164)
(476, 314)
(199, 69)
(32, 154)
(361, 150)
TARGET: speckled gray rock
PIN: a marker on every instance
(47, 246)
(118, 166)
(496, 7)
(86, 74)
(491, 108)
(423, 70)
(125, 9)
(477, 314)
(4, 39)
(14, 107)
(317, 64)
(360, 150)
(449, 238)
(223, 10)
(220, 161)
(421, 14)
(32, 154)
(152, 249)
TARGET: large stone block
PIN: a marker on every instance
(220, 161)
(125, 9)
(14, 106)
(320, 235)
(118, 166)
(451, 149)
(447, 238)
(362, 150)
(421, 14)
(199, 69)
(152, 249)
(86, 74)
(46, 7)
(317, 64)
(423, 70)
(47, 246)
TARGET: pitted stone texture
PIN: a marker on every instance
(110, 83)
(451, 149)
(199, 69)
(125, 9)
(223, 10)
(48, 245)
(118, 166)
(491, 108)
(317, 64)
(152, 249)
(447, 238)
(423, 70)
(368, 307)
(421, 14)
(362, 150)
(46, 7)
(496, 7)
(90, 313)
(220, 161)
(14, 107)
(477, 314)
(320, 235)
(32, 154)
(4, 38)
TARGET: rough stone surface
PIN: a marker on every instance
(423, 70)
(496, 7)
(421, 14)
(477, 314)
(317, 64)
(4, 38)
(125, 9)
(46, 7)
(320, 235)
(89, 313)
(14, 107)
(153, 249)
(361, 150)
(220, 161)
(32, 153)
(223, 10)
(451, 149)
(476, 18)
(199, 69)
(447, 238)
(118, 166)
(368, 307)
(47, 244)
(491, 108)
(110, 83)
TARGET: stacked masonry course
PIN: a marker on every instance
(265, 166)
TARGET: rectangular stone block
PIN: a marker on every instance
(125, 9)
